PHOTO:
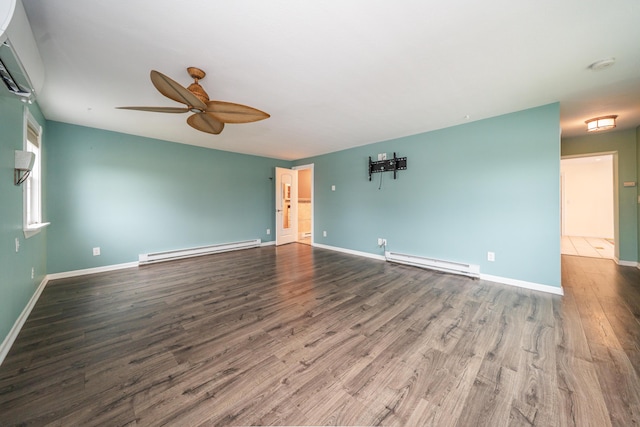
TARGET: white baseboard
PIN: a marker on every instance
(66, 274)
(349, 251)
(503, 280)
(102, 269)
(626, 263)
(523, 284)
(17, 326)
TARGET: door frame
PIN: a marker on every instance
(310, 166)
(616, 203)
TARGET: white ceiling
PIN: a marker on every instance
(336, 74)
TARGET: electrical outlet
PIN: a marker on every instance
(333, 188)
(17, 244)
(268, 231)
(324, 234)
(33, 272)
(96, 251)
(382, 242)
(491, 256)
(382, 156)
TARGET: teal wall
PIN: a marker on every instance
(130, 195)
(626, 145)
(16, 285)
(490, 185)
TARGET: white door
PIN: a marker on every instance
(286, 206)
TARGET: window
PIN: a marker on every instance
(32, 196)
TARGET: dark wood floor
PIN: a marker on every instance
(300, 335)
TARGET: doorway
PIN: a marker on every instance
(286, 205)
(305, 204)
(588, 206)
(294, 205)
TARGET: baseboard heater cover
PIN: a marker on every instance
(192, 252)
(470, 270)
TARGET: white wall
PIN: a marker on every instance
(588, 196)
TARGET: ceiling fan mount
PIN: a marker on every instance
(209, 116)
(196, 73)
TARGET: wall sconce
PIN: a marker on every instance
(23, 165)
(601, 123)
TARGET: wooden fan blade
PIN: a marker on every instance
(157, 109)
(173, 90)
(205, 123)
(228, 112)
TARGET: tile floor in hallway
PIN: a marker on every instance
(595, 247)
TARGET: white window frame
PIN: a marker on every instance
(32, 187)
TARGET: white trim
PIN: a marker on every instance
(626, 263)
(349, 251)
(94, 270)
(523, 284)
(19, 323)
(504, 280)
(271, 243)
(34, 229)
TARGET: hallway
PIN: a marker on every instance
(594, 247)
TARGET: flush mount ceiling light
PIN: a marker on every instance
(601, 65)
(601, 123)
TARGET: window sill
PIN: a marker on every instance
(34, 229)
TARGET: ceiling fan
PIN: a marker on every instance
(209, 116)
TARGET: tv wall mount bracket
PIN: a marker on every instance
(392, 165)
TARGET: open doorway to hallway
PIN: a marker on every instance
(305, 204)
(587, 206)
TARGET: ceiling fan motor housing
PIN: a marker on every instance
(195, 88)
(199, 92)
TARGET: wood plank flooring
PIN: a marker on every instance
(297, 335)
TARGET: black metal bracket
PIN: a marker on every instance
(396, 164)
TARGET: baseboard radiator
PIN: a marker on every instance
(193, 252)
(470, 270)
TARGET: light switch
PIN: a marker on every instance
(333, 188)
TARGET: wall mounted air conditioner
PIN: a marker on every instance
(21, 67)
